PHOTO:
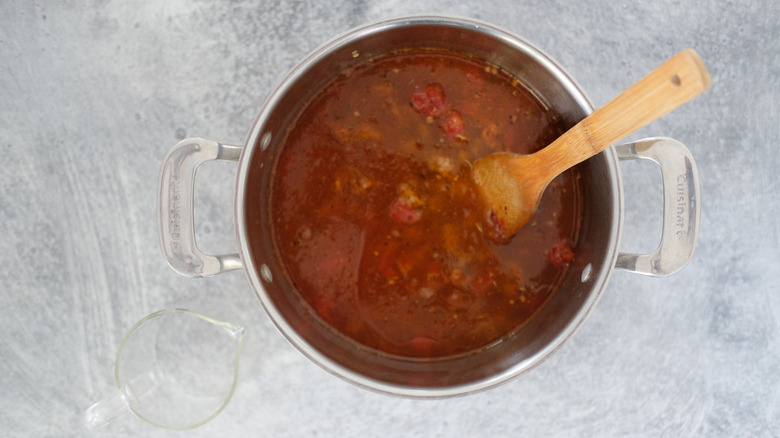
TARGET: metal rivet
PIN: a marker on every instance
(586, 273)
(265, 141)
(265, 272)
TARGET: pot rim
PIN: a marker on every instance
(255, 276)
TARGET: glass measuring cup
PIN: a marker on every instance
(175, 369)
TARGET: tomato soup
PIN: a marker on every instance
(378, 223)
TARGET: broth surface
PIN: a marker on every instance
(377, 220)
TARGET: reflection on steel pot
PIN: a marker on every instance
(578, 291)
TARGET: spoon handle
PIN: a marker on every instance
(675, 82)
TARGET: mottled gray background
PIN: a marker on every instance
(94, 93)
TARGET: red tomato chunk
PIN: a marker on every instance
(402, 212)
(429, 101)
(453, 124)
(561, 254)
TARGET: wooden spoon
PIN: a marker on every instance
(512, 184)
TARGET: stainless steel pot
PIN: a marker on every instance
(597, 250)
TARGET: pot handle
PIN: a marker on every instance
(681, 206)
(175, 203)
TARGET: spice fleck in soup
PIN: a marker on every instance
(377, 220)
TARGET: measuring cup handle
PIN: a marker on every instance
(105, 411)
(681, 206)
(175, 208)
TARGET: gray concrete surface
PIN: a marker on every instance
(93, 94)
